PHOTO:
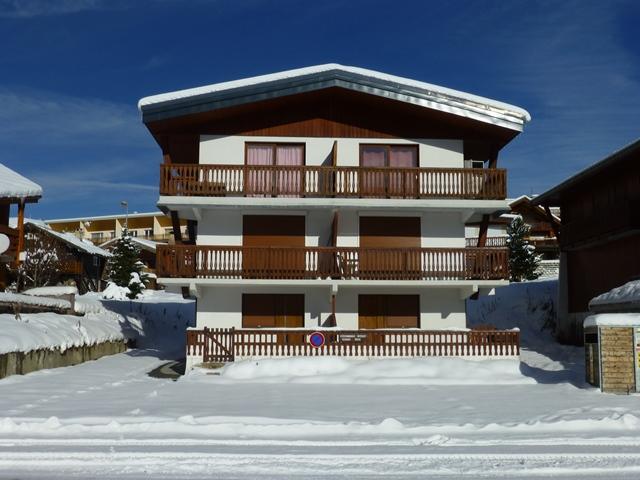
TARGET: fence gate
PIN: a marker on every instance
(218, 345)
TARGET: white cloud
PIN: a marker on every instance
(46, 117)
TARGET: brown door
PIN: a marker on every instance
(281, 240)
(391, 247)
(272, 311)
(388, 311)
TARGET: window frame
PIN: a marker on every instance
(388, 147)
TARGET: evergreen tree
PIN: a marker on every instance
(125, 267)
(523, 261)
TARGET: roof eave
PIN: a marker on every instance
(333, 78)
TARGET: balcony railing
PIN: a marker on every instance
(342, 182)
(227, 345)
(493, 242)
(189, 261)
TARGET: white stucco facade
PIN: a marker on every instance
(442, 225)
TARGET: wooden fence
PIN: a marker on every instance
(190, 261)
(227, 345)
(330, 181)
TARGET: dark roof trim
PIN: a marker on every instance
(326, 79)
(552, 196)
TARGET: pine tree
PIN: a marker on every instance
(523, 261)
(125, 267)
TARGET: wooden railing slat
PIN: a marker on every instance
(332, 181)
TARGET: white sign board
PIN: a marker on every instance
(4, 243)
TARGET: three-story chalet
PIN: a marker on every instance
(330, 196)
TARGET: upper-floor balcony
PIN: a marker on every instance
(332, 182)
(338, 263)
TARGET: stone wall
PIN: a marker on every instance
(25, 362)
(617, 359)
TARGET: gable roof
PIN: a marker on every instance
(70, 239)
(263, 87)
(553, 195)
(15, 186)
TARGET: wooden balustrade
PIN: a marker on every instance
(491, 242)
(190, 261)
(226, 345)
(329, 181)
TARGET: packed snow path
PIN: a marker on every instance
(110, 418)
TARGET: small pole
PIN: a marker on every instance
(125, 205)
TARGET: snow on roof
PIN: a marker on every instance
(14, 185)
(70, 239)
(143, 242)
(437, 97)
(625, 296)
(612, 320)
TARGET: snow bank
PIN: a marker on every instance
(628, 295)
(340, 370)
(115, 292)
(8, 297)
(51, 330)
(158, 319)
(51, 291)
(613, 320)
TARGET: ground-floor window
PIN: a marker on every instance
(272, 310)
(388, 311)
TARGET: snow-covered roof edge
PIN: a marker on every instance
(14, 185)
(624, 297)
(612, 320)
(421, 93)
(148, 245)
(71, 239)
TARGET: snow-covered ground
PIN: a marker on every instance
(108, 418)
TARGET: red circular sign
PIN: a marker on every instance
(316, 339)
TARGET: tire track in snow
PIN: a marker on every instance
(171, 464)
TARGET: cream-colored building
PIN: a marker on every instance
(99, 229)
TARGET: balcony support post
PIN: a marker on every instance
(20, 232)
(175, 222)
(482, 233)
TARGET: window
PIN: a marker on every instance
(148, 233)
(473, 164)
(134, 233)
(277, 182)
(397, 182)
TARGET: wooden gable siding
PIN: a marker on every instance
(604, 205)
(333, 113)
(598, 269)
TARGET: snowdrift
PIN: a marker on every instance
(341, 370)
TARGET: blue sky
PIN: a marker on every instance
(72, 72)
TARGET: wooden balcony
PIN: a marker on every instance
(227, 345)
(491, 242)
(189, 261)
(333, 182)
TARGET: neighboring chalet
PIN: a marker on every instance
(154, 226)
(599, 235)
(331, 196)
(14, 190)
(542, 234)
(78, 260)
